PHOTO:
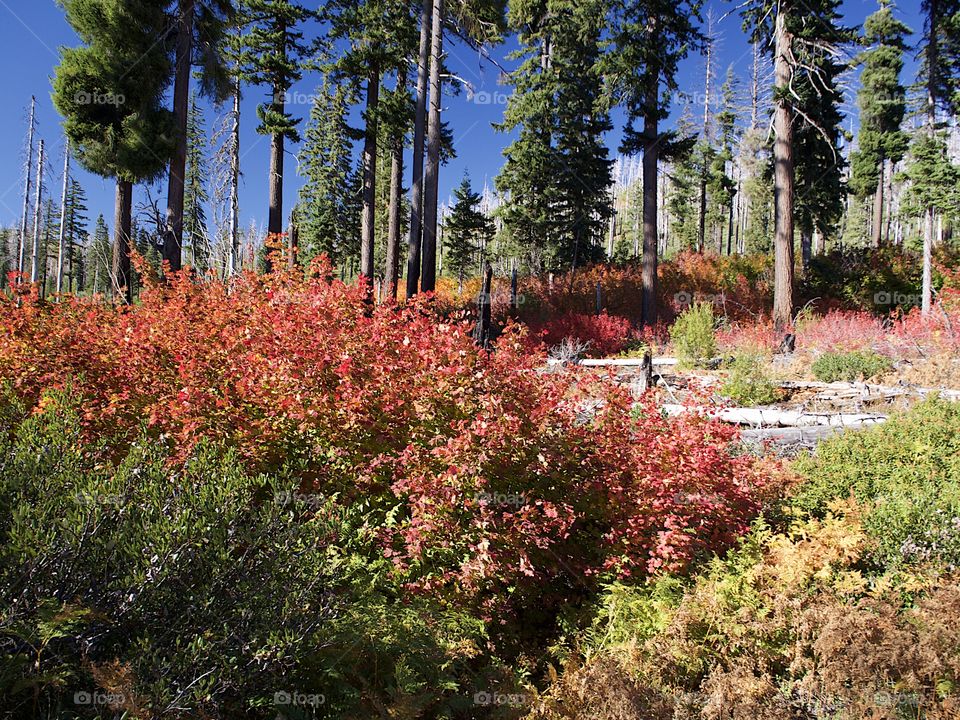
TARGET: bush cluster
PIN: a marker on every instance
(459, 500)
(849, 367)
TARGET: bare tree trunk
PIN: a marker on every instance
(293, 243)
(702, 216)
(22, 244)
(61, 245)
(368, 216)
(392, 275)
(173, 237)
(35, 253)
(877, 228)
(431, 177)
(806, 248)
(233, 261)
(818, 242)
(123, 222)
(783, 179)
(419, 125)
(651, 151)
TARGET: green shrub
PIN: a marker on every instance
(204, 588)
(749, 383)
(906, 471)
(849, 367)
(693, 335)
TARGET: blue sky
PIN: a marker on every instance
(31, 31)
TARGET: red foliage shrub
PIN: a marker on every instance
(606, 334)
(482, 476)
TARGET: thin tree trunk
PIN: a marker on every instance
(35, 253)
(933, 59)
(783, 187)
(123, 222)
(877, 229)
(275, 217)
(392, 274)
(650, 152)
(173, 238)
(22, 245)
(61, 245)
(806, 248)
(233, 261)
(431, 176)
(702, 216)
(368, 215)
(419, 125)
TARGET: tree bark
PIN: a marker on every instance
(431, 177)
(416, 185)
(233, 262)
(275, 215)
(933, 61)
(173, 237)
(392, 274)
(122, 228)
(877, 229)
(783, 187)
(368, 216)
(651, 151)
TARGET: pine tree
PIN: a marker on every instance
(111, 114)
(650, 39)
(558, 172)
(195, 197)
(803, 38)
(882, 101)
(939, 77)
(466, 232)
(274, 55)
(326, 162)
(200, 28)
(98, 261)
(76, 232)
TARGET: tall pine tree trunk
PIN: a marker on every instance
(392, 274)
(877, 229)
(933, 61)
(431, 176)
(173, 238)
(650, 156)
(416, 186)
(122, 229)
(783, 178)
(275, 217)
(368, 213)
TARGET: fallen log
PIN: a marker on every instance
(807, 437)
(866, 391)
(775, 418)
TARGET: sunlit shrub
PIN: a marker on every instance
(693, 335)
(849, 367)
